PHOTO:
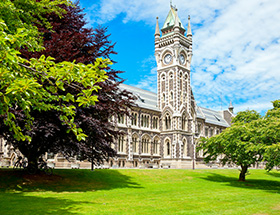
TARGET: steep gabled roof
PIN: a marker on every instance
(170, 19)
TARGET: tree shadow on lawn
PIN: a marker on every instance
(18, 203)
(65, 181)
(275, 174)
(261, 184)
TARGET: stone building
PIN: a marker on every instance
(163, 128)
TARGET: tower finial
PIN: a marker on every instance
(176, 24)
(189, 33)
(170, 3)
(230, 108)
(157, 33)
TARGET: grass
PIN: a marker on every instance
(139, 192)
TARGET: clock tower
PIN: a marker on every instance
(173, 53)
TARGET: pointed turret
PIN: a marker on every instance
(176, 23)
(157, 33)
(189, 32)
(230, 108)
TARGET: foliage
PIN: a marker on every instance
(69, 40)
(270, 136)
(39, 84)
(250, 140)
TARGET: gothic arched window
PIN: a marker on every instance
(167, 121)
(121, 144)
(156, 146)
(134, 144)
(146, 145)
(167, 148)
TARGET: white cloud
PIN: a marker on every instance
(149, 81)
(236, 46)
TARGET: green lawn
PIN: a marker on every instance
(140, 192)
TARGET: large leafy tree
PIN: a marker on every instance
(270, 136)
(69, 40)
(250, 140)
(39, 84)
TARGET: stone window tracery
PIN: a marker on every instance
(145, 121)
(155, 122)
(121, 118)
(121, 144)
(134, 144)
(146, 145)
(156, 146)
(134, 119)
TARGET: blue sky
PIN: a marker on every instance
(236, 46)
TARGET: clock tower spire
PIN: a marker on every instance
(173, 52)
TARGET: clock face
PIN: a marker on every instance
(167, 58)
(182, 59)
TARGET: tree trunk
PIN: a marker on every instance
(92, 165)
(243, 172)
(33, 161)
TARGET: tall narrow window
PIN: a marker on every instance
(145, 121)
(121, 143)
(211, 132)
(135, 144)
(134, 119)
(168, 148)
(156, 146)
(199, 128)
(206, 132)
(167, 122)
(145, 145)
(121, 118)
(155, 123)
(184, 148)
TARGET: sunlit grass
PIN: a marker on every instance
(140, 192)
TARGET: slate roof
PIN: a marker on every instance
(211, 116)
(145, 98)
(148, 100)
